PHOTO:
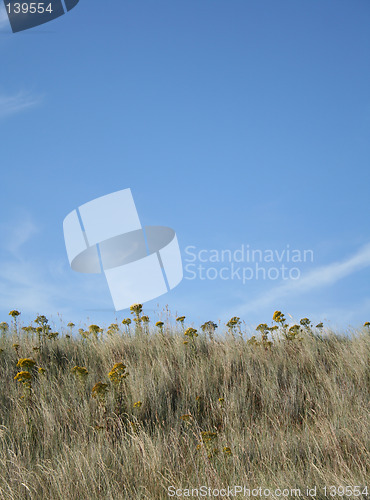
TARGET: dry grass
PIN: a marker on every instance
(293, 415)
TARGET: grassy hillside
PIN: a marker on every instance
(136, 411)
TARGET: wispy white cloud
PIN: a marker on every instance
(18, 233)
(34, 284)
(32, 287)
(11, 104)
(318, 278)
(336, 317)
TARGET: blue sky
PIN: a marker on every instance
(235, 123)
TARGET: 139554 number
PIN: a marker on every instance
(29, 8)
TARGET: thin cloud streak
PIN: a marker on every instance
(20, 234)
(319, 277)
(35, 285)
(31, 288)
(347, 315)
(17, 232)
(11, 104)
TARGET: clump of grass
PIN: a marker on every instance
(289, 407)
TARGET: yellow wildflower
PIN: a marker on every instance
(14, 314)
(81, 372)
(118, 373)
(23, 376)
(276, 315)
(99, 392)
(95, 330)
(191, 332)
(4, 326)
(235, 321)
(208, 436)
(26, 363)
(136, 309)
